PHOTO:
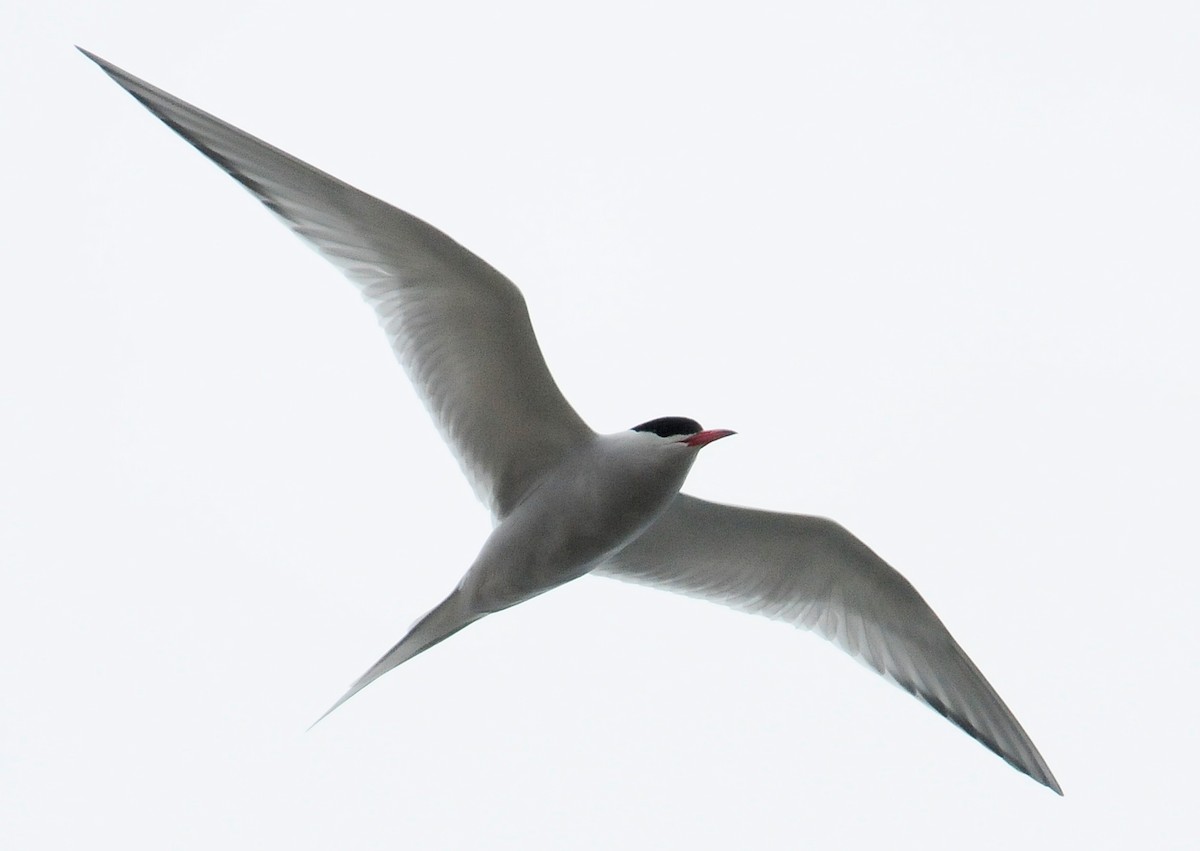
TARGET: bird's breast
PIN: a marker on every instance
(572, 521)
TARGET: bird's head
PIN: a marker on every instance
(681, 430)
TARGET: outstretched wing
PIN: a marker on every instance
(812, 573)
(459, 327)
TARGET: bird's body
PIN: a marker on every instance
(577, 516)
(589, 507)
(565, 500)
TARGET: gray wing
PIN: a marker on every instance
(459, 327)
(812, 573)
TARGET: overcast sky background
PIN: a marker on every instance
(937, 265)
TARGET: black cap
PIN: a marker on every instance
(670, 426)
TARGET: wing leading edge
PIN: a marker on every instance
(458, 327)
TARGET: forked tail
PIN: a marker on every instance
(445, 619)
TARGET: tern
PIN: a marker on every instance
(567, 501)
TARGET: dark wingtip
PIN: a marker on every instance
(118, 74)
(92, 56)
(105, 66)
(1052, 784)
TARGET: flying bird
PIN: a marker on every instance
(567, 501)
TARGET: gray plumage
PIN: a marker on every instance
(566, 500)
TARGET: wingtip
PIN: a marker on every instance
(362, 683)
(119, 75)
(1040, 773)
(92, 57)
(329, 711)
(324, 715)
(1052, 785)
(107, 67)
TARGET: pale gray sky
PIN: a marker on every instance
(937, 265)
